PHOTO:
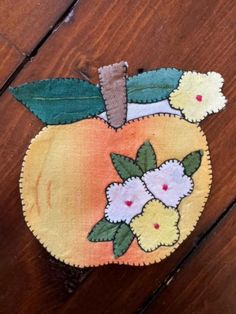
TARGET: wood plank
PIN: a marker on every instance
(195, 36)
(22, 25)
(25, 22)
(206, 284)
(10, 57)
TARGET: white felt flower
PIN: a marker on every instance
(168, 183)
(126, 200)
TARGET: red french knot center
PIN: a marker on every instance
(165, 187)
(128, 203)
(199, 98)
(156, 226)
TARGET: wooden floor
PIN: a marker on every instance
(65, 38)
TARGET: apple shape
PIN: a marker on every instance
(66, 171)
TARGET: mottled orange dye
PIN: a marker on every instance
(75, 158)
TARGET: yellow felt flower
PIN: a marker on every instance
(156, 226)
(198, 95)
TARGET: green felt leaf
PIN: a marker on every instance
(146, 157)
(122, 240)
(192, 162)
(152, 86)
(60, 101)
(125, 166)
(103, 231)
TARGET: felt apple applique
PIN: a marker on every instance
(98, 187)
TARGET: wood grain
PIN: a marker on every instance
(10, 57)
(22, 25)
(206, 284)
(188, 35)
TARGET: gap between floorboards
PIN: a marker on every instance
(39, 45)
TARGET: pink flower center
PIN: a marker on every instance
(165, 187)
(156, 226)
(128, 203)
(199, 98)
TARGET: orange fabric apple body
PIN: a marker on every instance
(67, 169)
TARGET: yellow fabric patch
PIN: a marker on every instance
(198, 95)
(156, 226)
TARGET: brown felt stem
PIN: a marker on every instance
(113, 86)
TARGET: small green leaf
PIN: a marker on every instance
(152, 86)
(192, 162)
(146, 157)
(103, 231)
(122, 240)
(60, 101)
(125, 166)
